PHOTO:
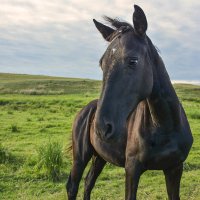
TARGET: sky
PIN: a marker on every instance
(58, 37)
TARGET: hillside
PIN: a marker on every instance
(42, 85)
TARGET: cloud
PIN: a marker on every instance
(58, 37)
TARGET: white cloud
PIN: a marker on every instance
(35, 34)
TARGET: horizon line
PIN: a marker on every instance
(194, 82)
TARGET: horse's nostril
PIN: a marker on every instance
(104, 129)
(108, 129)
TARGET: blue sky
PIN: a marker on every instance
(58, 37)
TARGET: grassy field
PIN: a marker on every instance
(38, 110)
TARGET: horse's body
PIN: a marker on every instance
(148, 131)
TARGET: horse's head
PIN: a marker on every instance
(127, 74)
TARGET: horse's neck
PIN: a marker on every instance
(163, 103)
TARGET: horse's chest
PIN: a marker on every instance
(160, 151)
(111, 152)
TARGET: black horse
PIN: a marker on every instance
(138, 122)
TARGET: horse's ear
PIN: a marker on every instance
(103, 29)
(139, 21)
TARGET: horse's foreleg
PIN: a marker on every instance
(95, 170)
(173, 178)
(133, 170)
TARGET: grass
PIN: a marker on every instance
(14, 128)
(44, 85)
(51, 159)
(4, 155)
(47, 115)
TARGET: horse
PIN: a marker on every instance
(138, 122)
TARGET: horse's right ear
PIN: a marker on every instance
(103, 29)
(139, 21)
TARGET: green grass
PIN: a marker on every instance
(51, 159)
(29, 120)
(45, 85)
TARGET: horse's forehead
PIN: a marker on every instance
(127, 43)
(130, 40)
(126, 40)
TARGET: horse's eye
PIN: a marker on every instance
(133, 61)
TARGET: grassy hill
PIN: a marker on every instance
(43, 85)
(38, 110)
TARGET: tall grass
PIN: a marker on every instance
(50, 157)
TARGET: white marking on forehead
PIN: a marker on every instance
(113, 50)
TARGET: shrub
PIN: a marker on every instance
(50, 157)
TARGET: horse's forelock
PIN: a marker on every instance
(116, 23)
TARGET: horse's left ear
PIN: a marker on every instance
(103, 29)
(139, 21)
